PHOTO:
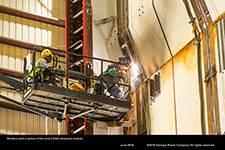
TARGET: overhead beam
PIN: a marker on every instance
(26, 45)
(11, 73)
(31, 16)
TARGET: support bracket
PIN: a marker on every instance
(208, 76)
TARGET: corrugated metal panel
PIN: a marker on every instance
(17, 122)
(30, 31)
(14, 122)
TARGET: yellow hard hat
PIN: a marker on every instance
(77, 87)
(46, 52)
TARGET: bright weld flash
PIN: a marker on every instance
(135, 70)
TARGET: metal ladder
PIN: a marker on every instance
(75, 19)
(75, 31)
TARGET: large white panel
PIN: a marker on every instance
(147, 34)
(187, 91)
(220, 87)
(105, 42)
(216, 7)
(162, 111)
(182, 113)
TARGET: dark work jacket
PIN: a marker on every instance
(108, 78)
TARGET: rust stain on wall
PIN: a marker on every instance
(211, 79)
(186, 54)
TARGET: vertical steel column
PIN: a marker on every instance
(67, 125)
(85, 126)
(84, 40)
(78, 39)
(33, 68)
(66, 26)
(46, 124)
(75, 32)
(210, 72)
(59, 126)
(84, 35)
(199, 64)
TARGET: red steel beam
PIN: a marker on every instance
(66, 42)
(85, 35)
(26, 45)
(31, 16)
(85, 126)
(67, 125)
(66, 26)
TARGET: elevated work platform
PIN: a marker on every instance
(44, 96)
(54, 94)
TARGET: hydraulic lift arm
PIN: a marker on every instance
(17, 85)
(54, 116)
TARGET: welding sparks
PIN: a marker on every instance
(135, 70)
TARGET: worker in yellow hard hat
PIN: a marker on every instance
(42, 63)
(75, 87)
(47, 55)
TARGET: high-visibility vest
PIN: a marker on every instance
(37, 70)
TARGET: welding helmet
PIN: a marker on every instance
(45, 53)
(126, 60)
